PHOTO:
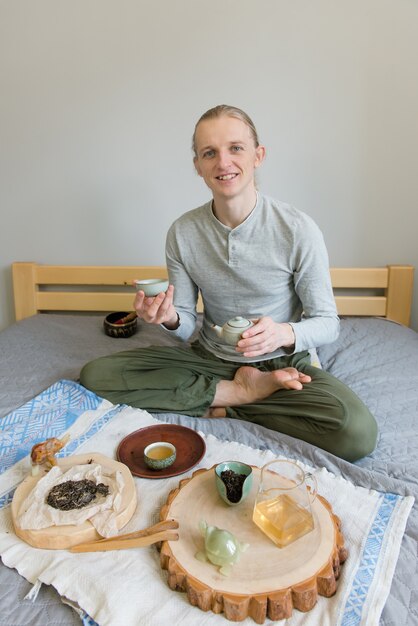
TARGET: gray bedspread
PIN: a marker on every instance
(376, 358)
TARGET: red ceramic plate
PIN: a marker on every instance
(190, 449)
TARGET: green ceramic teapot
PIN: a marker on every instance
(232, 330)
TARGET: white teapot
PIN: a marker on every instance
(232, 330)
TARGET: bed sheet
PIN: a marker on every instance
(378, 359)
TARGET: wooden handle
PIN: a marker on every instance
(163, 531)
(128, 318)
(145, 532)
(124, 544)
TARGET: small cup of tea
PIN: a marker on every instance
(159, 455)
(151, 286)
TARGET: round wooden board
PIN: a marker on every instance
(267, 581)
(63, 537)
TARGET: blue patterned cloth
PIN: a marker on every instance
(48, 415)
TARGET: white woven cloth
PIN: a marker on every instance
(128, 587)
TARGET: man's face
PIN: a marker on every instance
(226, 156)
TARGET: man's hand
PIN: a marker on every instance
(158, 309)
(264, 337)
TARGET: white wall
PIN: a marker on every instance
(99, 99)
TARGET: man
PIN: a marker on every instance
(248, 255)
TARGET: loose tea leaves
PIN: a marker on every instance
(233, 483)
(75, 494)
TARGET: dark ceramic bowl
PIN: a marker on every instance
(119, 330)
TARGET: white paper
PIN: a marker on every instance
(35, 513)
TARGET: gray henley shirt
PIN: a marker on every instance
(275, 264)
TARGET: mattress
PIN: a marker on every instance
(377, 358)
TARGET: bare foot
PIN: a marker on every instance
(250, 385)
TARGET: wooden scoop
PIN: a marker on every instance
(163, 531)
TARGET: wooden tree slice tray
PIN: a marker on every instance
(267, 581)
(66, 536)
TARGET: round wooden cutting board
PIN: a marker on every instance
(267, 581)
(63, 537)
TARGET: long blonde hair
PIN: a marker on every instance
(229, 111)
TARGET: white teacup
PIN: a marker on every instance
(151, 286)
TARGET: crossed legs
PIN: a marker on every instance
(287, 395)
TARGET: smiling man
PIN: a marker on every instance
(252, 256)
(226, 157)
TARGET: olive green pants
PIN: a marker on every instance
(325, 413)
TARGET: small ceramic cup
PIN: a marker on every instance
(151, 286)
(233, 481)
(159, 455)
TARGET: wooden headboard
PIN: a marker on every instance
(377, 291)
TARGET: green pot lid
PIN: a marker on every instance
(239, 322)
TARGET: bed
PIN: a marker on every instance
(59, 316)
